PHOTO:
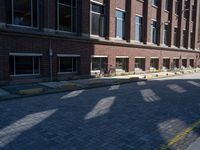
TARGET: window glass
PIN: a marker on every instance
(99, 63)
(155, 2)
(166, 5)
(22, 12)
(166, 34)
(140, 63)
(23, 65)
(67, 15)
(175, 37)
(97, 20)
(68, 64)
(120, 24)
(176, 7)
(154, 32)
(138, 28)
(121, 64)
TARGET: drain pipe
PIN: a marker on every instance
(50, 46)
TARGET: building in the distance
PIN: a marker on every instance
(54, 39)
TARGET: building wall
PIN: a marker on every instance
(26, 40)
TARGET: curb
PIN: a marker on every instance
(54, 91)
(74, 87)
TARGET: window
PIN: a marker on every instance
(176, 37)
(193, 12)
(22, 12)
(24, 65)
(184, 63)
(176, 7)
(192, 63)
(166, 5)
(121, 64)
(154, 63)
(138, 28)
(166, 63)
(176, 63)
(66, 15)
(155, 2)
(99, 63)
(68, 64)
(154, 38)
(97, 20)
(165, 34)
(186, 12)
(120, 24)
(191, 40)
(140, 63)
(184, 39)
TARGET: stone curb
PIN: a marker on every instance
(90, 85)
(61, 90)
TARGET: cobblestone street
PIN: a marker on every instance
(150, 115)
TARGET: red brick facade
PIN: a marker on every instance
(26, 40)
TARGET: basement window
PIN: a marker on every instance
(24, 65)
(68, 64)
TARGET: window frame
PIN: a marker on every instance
(154, 4)
(33, 55)
(72, 18)
(175, 42)
(99, 57)
(152, 31)
(140, 25)
(165, 35)
(123, 24)
(104, 29)
(32, 20)
(166, 5)
(68, 56)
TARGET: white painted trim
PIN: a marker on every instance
(175, 57)
(25, 54)
(24, 75)
(96, 2)
(122, 57)
(99, 56)
(139, 15)
(67, 55)
(154, 57)
(140, 57)
(121, 9)
(166, 58)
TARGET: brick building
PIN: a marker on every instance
(53, 39)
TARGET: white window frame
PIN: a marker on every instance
(166, 5)
(124, 20)
(97, 3)
(96, 56)
(26, 55)
(139, 24)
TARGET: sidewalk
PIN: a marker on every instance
(19, 91)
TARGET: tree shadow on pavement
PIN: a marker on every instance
(143, 115)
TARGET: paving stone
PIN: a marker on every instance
(128, 122)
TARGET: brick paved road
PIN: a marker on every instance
(144, 115)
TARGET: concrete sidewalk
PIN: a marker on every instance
(18, 91)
